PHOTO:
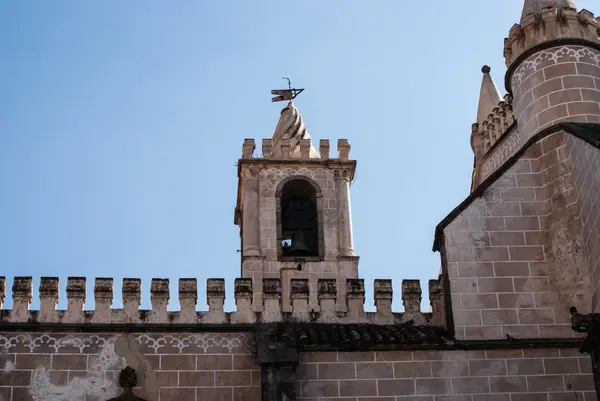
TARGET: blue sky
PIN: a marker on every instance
(121, 123)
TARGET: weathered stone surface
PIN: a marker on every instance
(59, 367)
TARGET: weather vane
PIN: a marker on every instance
(285, 94)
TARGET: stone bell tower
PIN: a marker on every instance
(293, 210)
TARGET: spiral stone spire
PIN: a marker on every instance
(291, 127)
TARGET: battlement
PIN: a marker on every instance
(550, 24)
(485, 135)
(327, 292)
(288, 149)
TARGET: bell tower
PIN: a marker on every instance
(293, 210)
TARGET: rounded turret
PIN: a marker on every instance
(553, 60)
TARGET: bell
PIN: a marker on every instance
(298, 246)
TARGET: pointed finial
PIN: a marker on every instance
(489, 95)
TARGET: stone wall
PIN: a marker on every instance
(492, 375)
(556, 85)
(585, 181)
(78, 367)
(513, 255)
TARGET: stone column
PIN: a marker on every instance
(344, 213)
(250, 211)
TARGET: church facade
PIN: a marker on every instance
(515, 310)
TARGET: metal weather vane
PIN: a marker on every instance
(285, 94)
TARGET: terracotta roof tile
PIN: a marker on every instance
(357, 336)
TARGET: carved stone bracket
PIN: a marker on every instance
(251, 172)
(343, 172)
(127, 381)
(278, 362)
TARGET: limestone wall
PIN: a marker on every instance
(583, 179)
(85, 367)
(515, 256)
(556, 85)
(490, 375)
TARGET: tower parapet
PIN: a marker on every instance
(549, 24)
(271, 302)
(553, 59)
(283, 150)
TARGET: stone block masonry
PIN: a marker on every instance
(557, 85)
(583, 182)
(521, 254)
(74, 367)
(498, 375)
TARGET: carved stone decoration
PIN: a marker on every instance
(127, 381)
(251, 172)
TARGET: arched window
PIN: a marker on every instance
(299, 219)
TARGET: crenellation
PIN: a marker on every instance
(2, 291)
(22, 294)
(324, 308)
(305, 145)
(132, 298)
(327, 296)
(550, 24)
(188, 298)
(159, 298)
(299, 294)
(411, 299)
(343, 148)
(436, 301)
(271, 289)
(411, 295)
(301, 150)
(324, 149)
(248, 148)
(355, 298)
(215, 298)
(48, 298)
(383, 296)
(267, 148)
(76, 294)
(243, 301)
(103, 297)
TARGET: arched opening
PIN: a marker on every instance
(299, 219)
